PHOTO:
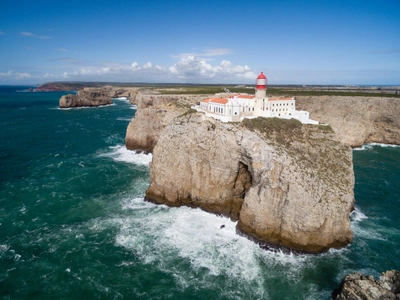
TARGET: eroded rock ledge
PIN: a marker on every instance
(86, 97)
(91, 97)
(358, 286)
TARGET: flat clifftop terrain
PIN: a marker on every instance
(356, 120)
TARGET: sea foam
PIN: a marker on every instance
(121, 154)
(192, 245)
(372, 145)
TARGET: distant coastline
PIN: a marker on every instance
(182, 88)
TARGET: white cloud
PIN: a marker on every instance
(191, 69)
(194, 67)
(147, 65)
(30, 34)
(15, 75)
(9, 73)
(20, 76)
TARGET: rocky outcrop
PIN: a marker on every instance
(360, 287)
(356, 120)
(144, 130)
(154, 113)
(86, 97)
(289, 185)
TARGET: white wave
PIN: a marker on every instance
(120, 98)
(371, 145)
(136, 204)
(133, 106)
(173, 239)
(384, 145)
(120, 153)
(124, 119)
(84, 107)
(363, 147)
(357, 215)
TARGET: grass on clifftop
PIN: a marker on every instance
(286, 131)
(267, 125)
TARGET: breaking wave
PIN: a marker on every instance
(371, 146)
(121, 154)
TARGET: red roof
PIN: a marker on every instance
(261, 76)
(246, 96)
(219, 100)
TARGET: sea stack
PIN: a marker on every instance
(89, 97)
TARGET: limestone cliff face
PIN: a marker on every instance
(154, 113)
(289, 185)
(357, 120)
(143, 131)
(86, 97)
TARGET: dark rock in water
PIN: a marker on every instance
(357, 286)
(222, 226)
(86, 97)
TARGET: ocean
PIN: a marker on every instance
(74, 225)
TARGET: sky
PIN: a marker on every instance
(350, 42)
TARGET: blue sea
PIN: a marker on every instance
(74, 225)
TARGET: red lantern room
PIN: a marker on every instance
(261, 86)
(261, 82)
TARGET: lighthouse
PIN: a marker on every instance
(261, 86)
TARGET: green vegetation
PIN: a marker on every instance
(350, 93)
(199, 90)
(268, 125)
(326, 128)
(275, 91)
(188, 112)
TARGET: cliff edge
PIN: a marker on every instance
(357, 120)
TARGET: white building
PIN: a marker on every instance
(229, 107)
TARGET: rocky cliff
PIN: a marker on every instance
(289, 185)
(154, 113)
(360, 287)
(86, 97)
(356, 120)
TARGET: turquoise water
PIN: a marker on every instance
(73, 223)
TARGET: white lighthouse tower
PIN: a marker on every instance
(261, 86)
